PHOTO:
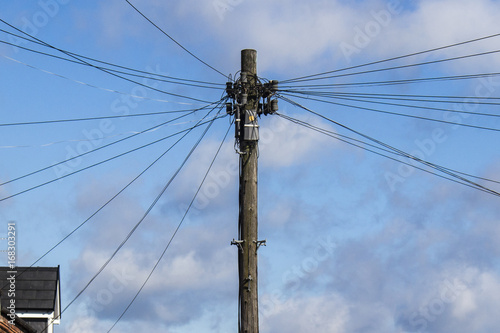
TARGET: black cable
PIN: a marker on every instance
(91, 151)
(107, 202)
(402, 66)
(175, 232)
(367, 100)
(219, 86)
(153, 204)
(432, 165)
(99, 163)
(344, 139)
(172, 39)
(143, 74)
(43, 122)
(410, 98)
(104, 70)
(413, 96)
(394, 58)
(107, 63)
(391, 82)
(328, 133)
(395, 113)
(109, 144)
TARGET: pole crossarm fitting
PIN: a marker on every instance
(240, 91)
(249, 99)
(246, 281)
(260, 243)
(238, 243)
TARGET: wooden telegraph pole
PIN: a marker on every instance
(246, 94)
(247, 221)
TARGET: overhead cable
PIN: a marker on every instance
(115, 196)
(360, 144)
(370, 100)
(409, 156)
(390, 82)
(172, 39)
(101, 162)
(110, 200)
(402, 66)
(44, 145)
(132, 115)
(416, 96)
(107, 145)
(151, 206)
(407, 97)
(395, 58)
(104, 70)
(146, 74)
(175, 232)
(396, 113)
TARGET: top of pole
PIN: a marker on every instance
(249, 61)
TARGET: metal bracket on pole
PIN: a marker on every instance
(238, 243)
(260, 243)
(248, 279)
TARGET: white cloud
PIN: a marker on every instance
(291, 36)
(474, 308)
(195, 271)
(190, 271)
(85, 324)
(326, 314)
(445, 22)
(220, 181)
(426, 272)
(385, 270)
(284, 144)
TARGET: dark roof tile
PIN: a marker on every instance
(36, 287)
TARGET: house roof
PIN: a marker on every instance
(36, 289)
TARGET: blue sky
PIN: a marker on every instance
(355, 242)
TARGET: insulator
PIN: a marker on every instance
(274, 85)
(229, 108)
(274, 105)
(230, 89)
(260, 109)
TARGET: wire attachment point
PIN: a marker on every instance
(238, 243)
(260, 243)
